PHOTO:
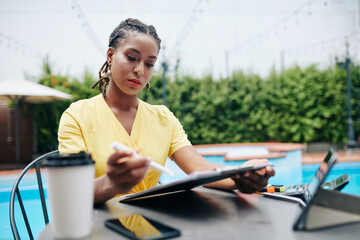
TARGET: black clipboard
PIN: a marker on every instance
(194, 179)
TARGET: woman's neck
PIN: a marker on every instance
(115, 98)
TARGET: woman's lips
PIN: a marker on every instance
(134, 82)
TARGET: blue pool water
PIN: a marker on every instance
(31, 200)
(350, 168)
(287, 176)
(288, 167)
(32, 203)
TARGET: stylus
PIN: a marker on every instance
(154, 165)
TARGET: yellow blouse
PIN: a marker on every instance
(90, 125)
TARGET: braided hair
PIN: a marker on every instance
(120, 33)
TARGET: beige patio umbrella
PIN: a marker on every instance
(20, 90)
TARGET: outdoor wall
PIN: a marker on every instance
(7, 137)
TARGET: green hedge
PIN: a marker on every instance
(298, 105)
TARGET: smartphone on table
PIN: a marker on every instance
(140, 227)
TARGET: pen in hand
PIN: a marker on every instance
(154, 165)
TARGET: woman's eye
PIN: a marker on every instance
(131, 58)
(149, 64)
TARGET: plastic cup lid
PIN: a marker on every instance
(68, 160)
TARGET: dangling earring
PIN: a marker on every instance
(148, 86)
(108, 74)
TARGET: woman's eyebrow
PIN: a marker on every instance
(135, 50)
(138, 52)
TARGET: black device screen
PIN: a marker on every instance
(322, 172)
(139, 227)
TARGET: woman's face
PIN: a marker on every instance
(132, 63)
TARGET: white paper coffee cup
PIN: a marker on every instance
(71, 193)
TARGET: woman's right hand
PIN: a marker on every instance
(124, 171)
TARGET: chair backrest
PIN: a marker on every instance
(15, 191)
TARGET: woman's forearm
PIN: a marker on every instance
(103, 189)
(226, 184)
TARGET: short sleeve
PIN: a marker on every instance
(69, 135)
(179, 137)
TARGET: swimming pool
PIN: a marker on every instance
(31, 200)
(287, 175)
(350, 168)
(32, 203)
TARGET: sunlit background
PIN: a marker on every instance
(199, 37)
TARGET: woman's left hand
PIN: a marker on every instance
(252, 181)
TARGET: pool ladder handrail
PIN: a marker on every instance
(15, 190)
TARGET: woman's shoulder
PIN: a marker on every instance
(160, 110)
(85, 105)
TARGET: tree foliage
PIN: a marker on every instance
(297, 105)
(47, 115)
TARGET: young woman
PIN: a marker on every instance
(117, 114)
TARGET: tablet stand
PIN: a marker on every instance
(327, 209)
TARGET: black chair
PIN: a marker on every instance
(15, 190)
